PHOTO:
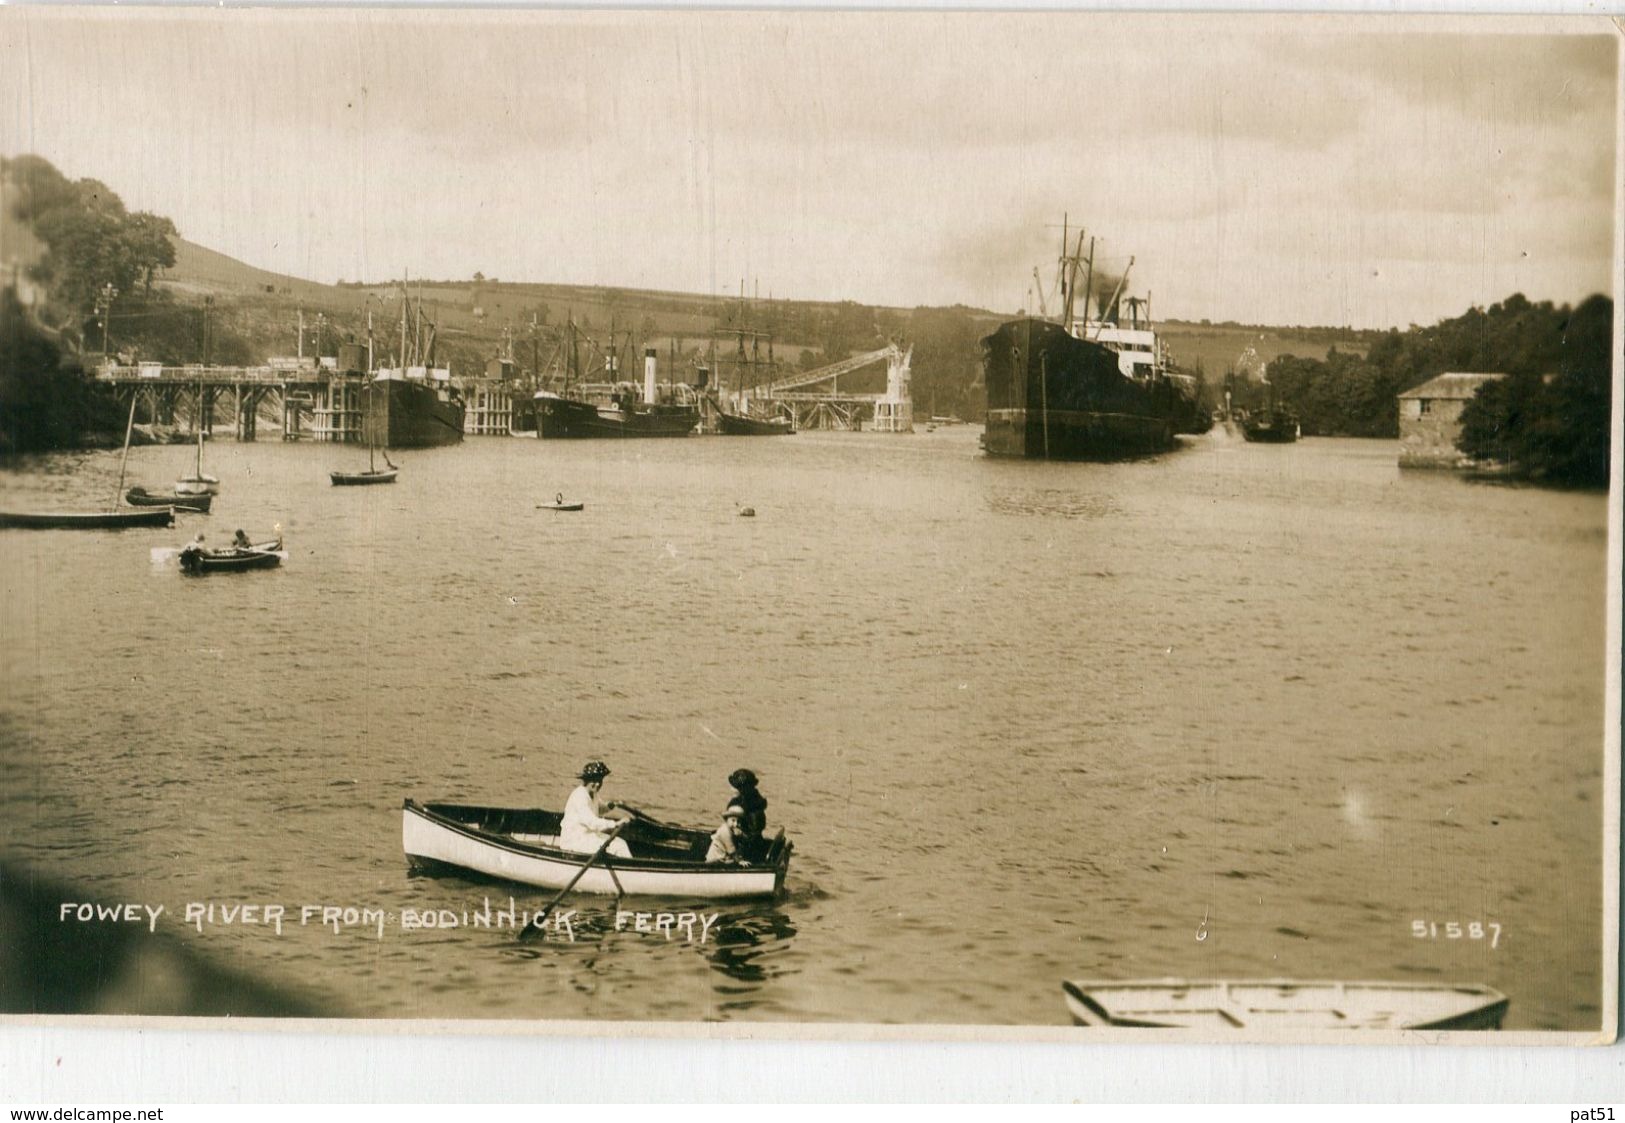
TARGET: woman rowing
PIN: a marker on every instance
(587, 823)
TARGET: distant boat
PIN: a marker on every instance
(739, 425)
(94, 520)
(141, 497)
(522, 846)
(361, 479)
(1276, 423)
(559, 504)
(373, 474)
(1283, 1004)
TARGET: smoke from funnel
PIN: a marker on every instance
(1102, 288)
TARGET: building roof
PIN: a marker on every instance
(1455, 385)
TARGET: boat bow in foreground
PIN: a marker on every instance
(1284, 1005)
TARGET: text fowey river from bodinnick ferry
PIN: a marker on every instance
(1233, 711)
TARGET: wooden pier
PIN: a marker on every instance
(294, 390)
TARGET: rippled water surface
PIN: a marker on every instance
(1235, 711)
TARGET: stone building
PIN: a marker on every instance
(1430, 419)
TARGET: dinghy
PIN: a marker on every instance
(559, 504)
(1283, 1005)
(141, 497)
(521, 846)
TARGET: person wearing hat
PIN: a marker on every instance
(753, 824)
(725, 842)
(587, 823)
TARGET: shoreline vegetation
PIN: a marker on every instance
(87, 279)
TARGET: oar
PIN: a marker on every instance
(536, 922)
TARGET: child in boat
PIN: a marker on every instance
(241, 542)
(753, 825)
(725, 842)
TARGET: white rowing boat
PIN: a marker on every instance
(1283, 1004)
(521, 846)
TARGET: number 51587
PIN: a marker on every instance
(1455, 930)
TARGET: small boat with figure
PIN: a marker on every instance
(196, 559)
(141, 497)
(561, 504)
(1284, 1005)
(522, 846)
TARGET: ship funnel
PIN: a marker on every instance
(649, 375)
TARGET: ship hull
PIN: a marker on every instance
(567, 419)
(736, 425)
(406, 413)
(1271, 429)
(1053, 396)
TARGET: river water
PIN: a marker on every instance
(1236, 711)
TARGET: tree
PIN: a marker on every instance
(1550, 419)
(151, 245)
(91, 240)
(44, 397)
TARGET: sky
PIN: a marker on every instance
(1372, 172)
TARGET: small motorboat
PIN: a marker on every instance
(141, 497)
(90, 520)
(1284, 1005)
(521, 846)
(233, 559)
(559, 504)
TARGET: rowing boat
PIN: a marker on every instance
(141, 497)
(1283, 1004)
(235, 559)
(559, 504)
(521, 846)
(91, 520)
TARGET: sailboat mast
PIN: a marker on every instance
(129, 429)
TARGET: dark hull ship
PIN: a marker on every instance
(560, 418)
(1081, 389)
(399, 412)
(1051, 395)
(739, 425)
(615, 409)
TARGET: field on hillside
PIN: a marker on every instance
(1221, 348)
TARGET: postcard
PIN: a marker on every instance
(1048, 526)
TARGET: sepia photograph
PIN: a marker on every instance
(1042, 526)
